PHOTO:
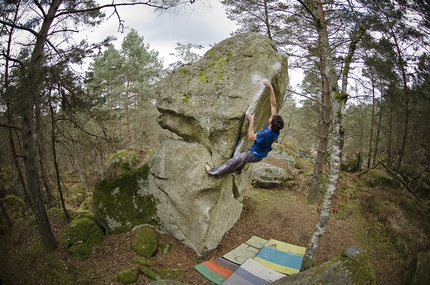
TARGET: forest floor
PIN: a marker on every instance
(281, 214)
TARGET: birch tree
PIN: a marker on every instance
(338, 99)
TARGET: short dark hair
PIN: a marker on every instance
(277, 123)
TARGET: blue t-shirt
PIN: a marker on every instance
(263, 143)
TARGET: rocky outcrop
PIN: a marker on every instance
(351, 267)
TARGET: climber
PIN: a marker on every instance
(263, 141)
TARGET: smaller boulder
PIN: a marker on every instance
(350, 267)
(377, 178)
(419, 271)
(81, 236)
(145, 242)
(268, 176)
(128, 276)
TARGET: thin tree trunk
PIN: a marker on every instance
(323, 135)
(406, 117)
(15, 158)
(50, 199)
(266, 20)
(57, 172)
(372, 120)
(390, 130)
(378, 130)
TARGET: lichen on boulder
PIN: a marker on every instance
(81, 236)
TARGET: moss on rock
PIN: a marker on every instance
(145, 242)
(81, 236)
(128, 276)
(118, 203)
(377, 178)
(16, 207)
(122, 163)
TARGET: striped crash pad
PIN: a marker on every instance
(281, 257)
(246, 250)
(216, 270)
(252, 272)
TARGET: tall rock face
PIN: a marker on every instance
(204, 104)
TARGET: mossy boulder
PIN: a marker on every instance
(145, 242)
(120, 164)
(81, 236)
(419, 271)
(119, 203)
(15, 207)
(350, 267)
(166, 282)
(377, 178)
(128, 276)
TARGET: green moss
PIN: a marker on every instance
(161, 273)
(165, 248)
(148, 272)
(81, 236)
(360, 268)
(165, 272)
(145, 242)
(128, 276)
(16, 207)
(142, 262)
(183, 70)
(121, 206)
(377, 178)
(203, 77)
(121, 163)
(186, 97)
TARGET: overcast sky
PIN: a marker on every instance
(204, 25)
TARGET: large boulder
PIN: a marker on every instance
(351, 267)
(205, 104)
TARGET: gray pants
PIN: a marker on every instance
(236, 163)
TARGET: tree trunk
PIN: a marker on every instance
(406, 117)
(50, 198)
(15, 158)
(57, 171)
(323, 134)
(372, 120)
(32, 81)
(33, 183)
(390, 130)
(378, 131)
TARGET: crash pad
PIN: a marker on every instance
(216, 270)
(246, 250)
(281, 257)
(252, 272)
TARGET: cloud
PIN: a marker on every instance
(201, 24)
